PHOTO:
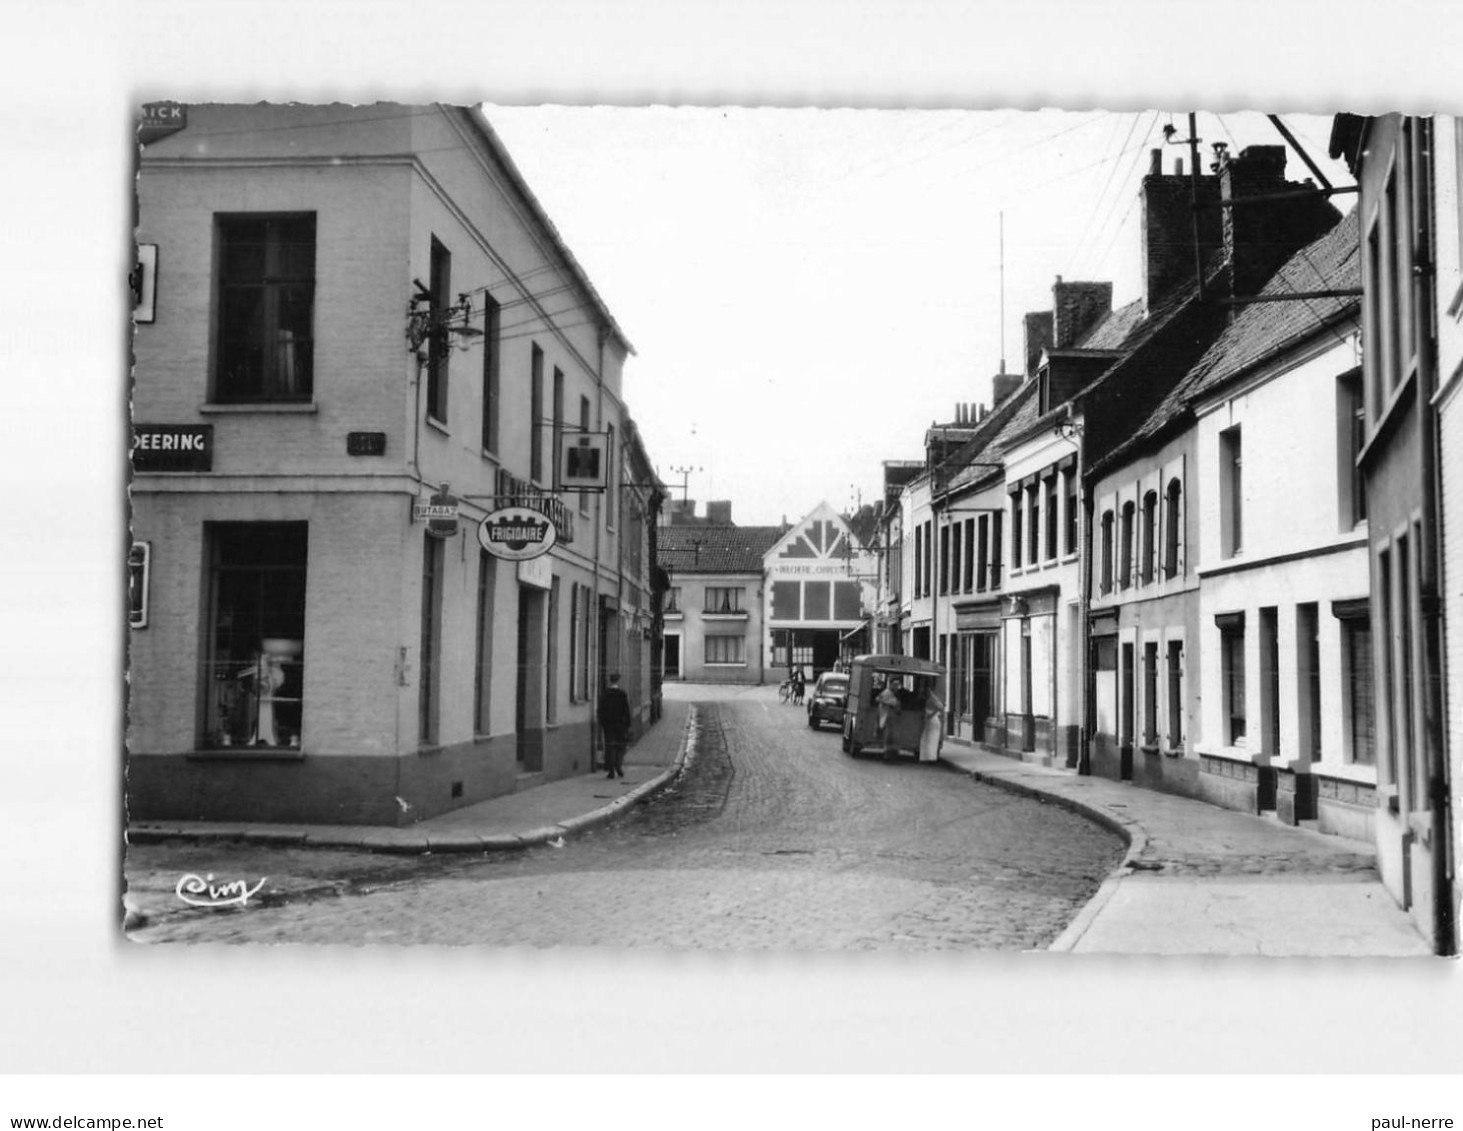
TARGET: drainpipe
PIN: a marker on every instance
(1429, 597)
(1084, 606)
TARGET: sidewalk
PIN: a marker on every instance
(540, 815)
(1199, 879)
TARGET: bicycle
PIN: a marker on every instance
(784, 691)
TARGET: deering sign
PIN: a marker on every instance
(172, 447)
(517, 534)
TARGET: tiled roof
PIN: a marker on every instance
(715, 549)
(1113, 330)
(986, 443)
(1262, 329)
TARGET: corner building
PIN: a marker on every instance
(362, 336)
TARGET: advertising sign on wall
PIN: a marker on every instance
(516, 534)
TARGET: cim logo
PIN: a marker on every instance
(517, 533)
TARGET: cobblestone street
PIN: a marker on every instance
(773, 838)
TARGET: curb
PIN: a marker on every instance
(1129, 829)
(409, 841)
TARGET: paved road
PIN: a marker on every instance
(773, 839)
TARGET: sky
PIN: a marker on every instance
(807, 290)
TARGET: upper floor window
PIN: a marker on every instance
(672, 600)
(1172, 528)
(1016, 529)
(1231, 492)
(1351, 433)
(1125, 571)
(1150, 530)
(441, 350)
(944, 559)
(1105, 577)
(1033, 530)
(266, 281)
(492, 390)
(1050, 505)
(723, 599)
(536, 415)
(1069, 493)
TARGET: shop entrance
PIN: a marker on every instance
(529, 700)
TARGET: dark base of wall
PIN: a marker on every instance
(1235, 785)
(346, 790)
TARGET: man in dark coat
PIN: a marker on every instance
(614, 721)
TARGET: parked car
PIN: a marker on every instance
(826, 703)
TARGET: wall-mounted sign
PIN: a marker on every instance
(583, 461)
(537, 572)
(159, 119)
(365, 443)
(515, 492)
(517, 534)
(144, 284)
(172, 447)
(439, 513)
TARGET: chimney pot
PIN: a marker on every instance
(1155, 162)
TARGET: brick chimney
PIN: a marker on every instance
(1002, 386)
(1076, 308)
(718, 512)
(1168, 229)
(1258, 238)
(1037, 329)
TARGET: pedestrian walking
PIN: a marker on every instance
(614, 723)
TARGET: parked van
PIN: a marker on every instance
(911, 680)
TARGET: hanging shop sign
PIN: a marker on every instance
(439, 513)
(517, 534)
(584, 461)
(515, 492)
(172, 447)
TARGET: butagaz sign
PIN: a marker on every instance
(172, 447)
(439, 513)
(517, 534)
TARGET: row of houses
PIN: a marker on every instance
(358, 335)
(1201, 541)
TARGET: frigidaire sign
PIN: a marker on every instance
(172, 447)
(516, 534)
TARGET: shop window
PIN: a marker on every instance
(266, 294)
(1150, 694)
(817, 600)
(1175, 695)
(1232, 672)
(256, 643)
(440, 351)
(483, 667)
(726, 650)
(139, 567)
(722, 599)
(1358, 682)
(429, 676)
